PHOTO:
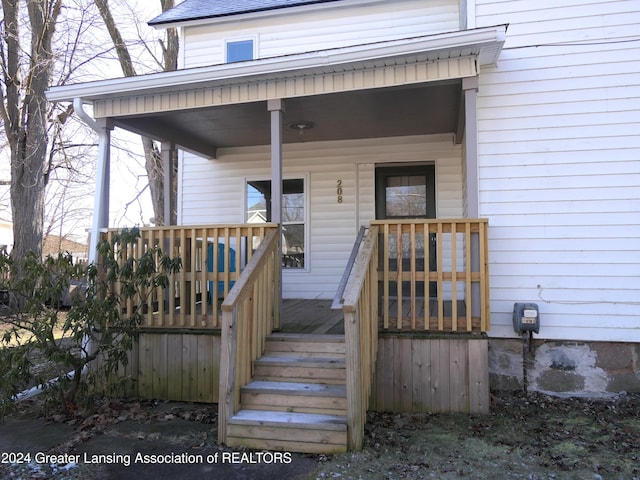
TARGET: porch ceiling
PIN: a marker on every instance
(386, 112)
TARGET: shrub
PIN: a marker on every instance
(37, 325)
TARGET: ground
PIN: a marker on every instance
(528, 437)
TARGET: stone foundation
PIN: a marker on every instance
(565, 368)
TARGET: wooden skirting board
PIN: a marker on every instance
(431, 375)
(174, 366)
(412, 374)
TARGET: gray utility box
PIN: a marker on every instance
(526, 318)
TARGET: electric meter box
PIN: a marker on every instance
(526, 318)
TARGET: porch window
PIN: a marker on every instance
(239, 50)
(293, 216)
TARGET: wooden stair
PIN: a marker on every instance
(297, 398)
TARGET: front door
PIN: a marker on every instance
(408, 192)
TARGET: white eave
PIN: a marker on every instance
(483, 43)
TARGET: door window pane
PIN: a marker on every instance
(406, 196)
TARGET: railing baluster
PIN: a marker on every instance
(484, 278)
(274, 297)
(213, 275)
(183, 277)
(205, 319)
(399, 275)
(161, 292)
(427, 276)
(467, 274)
(193, 275)
(454, 278)
(151, 295)
(172, 285)
(440, 284)
(225, 261)
(127, 251)
(412, 243)
(238, 266)
(385, 281)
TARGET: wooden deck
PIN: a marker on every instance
(317, 317)
(310, 316)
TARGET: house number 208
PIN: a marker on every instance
(339, 190)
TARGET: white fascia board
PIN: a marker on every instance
(283, 66)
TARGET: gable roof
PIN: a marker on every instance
(203, 9)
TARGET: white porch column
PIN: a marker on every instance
(103, 176)
(470, 88)
(276, 108)
(168, 154)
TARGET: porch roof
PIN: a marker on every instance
(484, 43)
(179, 106)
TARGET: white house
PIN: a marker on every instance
(447, 115)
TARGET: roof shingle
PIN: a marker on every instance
(202, 9)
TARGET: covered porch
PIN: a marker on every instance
(331, 123)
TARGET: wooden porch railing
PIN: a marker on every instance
(212, 259)
(360, 309)
(249, 314)
(434, 275)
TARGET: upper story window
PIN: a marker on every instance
(240, 50)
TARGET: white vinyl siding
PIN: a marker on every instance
(213, 192)
(337, 25)
(559, 166)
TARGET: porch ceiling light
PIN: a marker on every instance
(301, 126)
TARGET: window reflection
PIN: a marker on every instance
(406, 196)
(293, 216)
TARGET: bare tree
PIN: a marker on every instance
(49, 165)
(26, 74)
(152, 151)
(71, 180)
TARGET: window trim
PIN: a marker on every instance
(384, 171)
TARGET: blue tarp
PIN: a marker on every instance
(221, 267)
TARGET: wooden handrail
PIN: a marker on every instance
(361, 336)
(338, 299)
(248, 315)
